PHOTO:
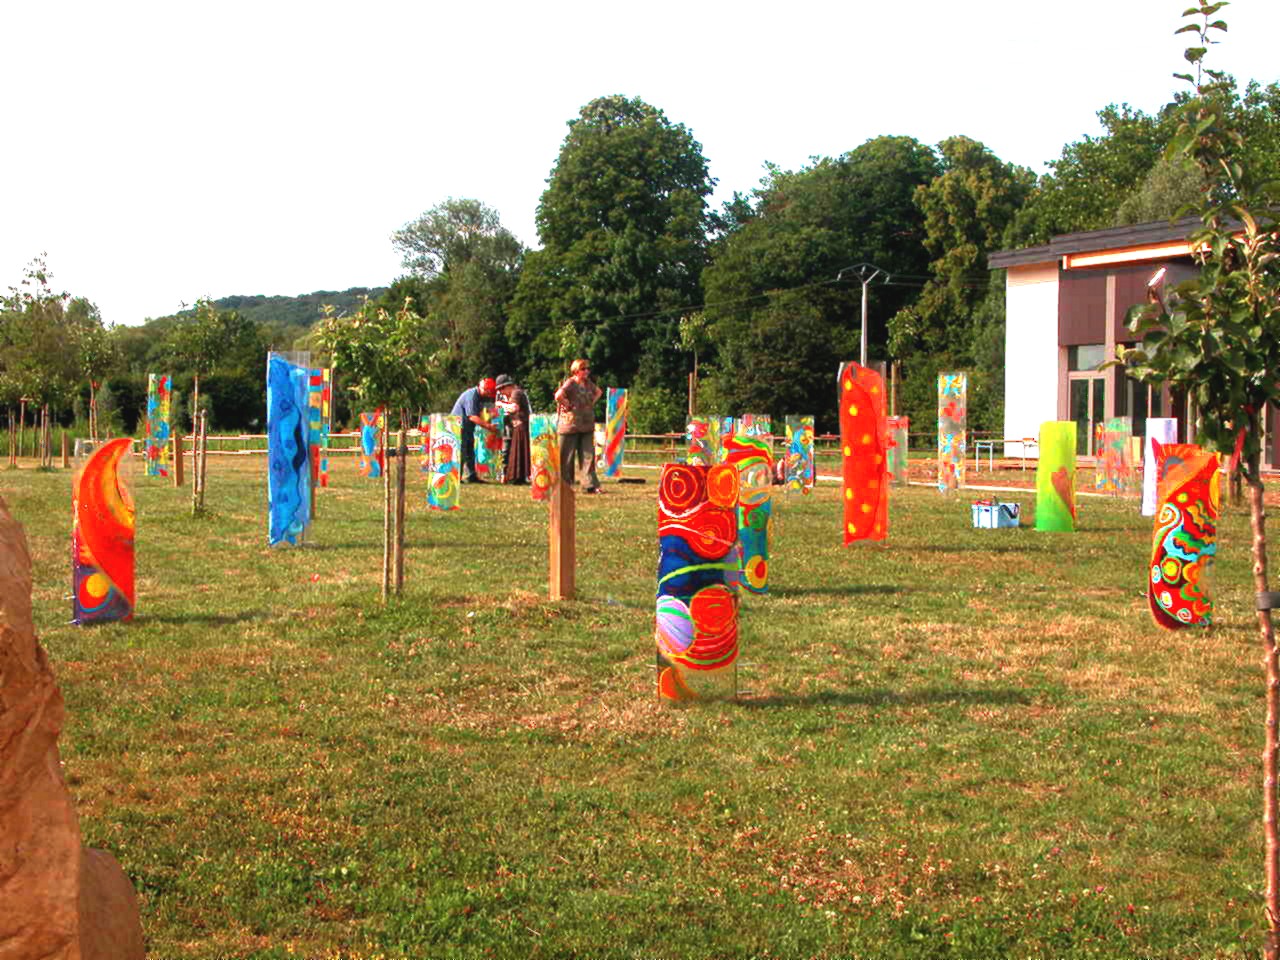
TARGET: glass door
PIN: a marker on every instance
(1088, 408)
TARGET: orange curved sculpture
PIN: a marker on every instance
(102, 538)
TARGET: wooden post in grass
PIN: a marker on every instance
(204, 453)
(177, 458)
(22, 425)
(401, 464)
(386, 524)
(562, 546)
(195, 464)
(66, 451)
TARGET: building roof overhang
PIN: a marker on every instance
(1139, 242)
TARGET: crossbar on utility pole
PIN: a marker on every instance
(866, 273)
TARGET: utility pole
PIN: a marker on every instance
(866, 273)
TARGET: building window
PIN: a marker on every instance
(1087, 356)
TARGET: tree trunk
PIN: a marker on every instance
(195, 401)
(22, 425)
(93, 410)
(1271, 747)
(401, 463)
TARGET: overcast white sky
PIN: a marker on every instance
(160, 152)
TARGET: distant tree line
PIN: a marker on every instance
(639, 274)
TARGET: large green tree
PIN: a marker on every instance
(623, 223)
(957, 323)
(779, 257)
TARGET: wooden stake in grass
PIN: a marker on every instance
(401, 452)
(66, 451)
(562, 542)
(386, 527)
(204, 454)
(177, 458)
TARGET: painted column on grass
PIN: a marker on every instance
(863, 447)
(371, 444)
(288, 459)
(755, 425)
(697, 611)
(899, 428)
(489, 446)
(1056, 477)
(156, 449)
(1165, 430)
(953, 423)
(753, 460)
(445, 484)
(544, 455)
(1185, 540)
(615, 433)
(800, 472)
(1113, 470)
(703, 437)
(102, 534)
(318, 397)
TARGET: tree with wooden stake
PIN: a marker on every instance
(381, 357)
(1217, 337)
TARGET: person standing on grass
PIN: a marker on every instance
(514, 402)
(470, 406)
(576, 422)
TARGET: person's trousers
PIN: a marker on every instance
(584, 445)
(468, 450)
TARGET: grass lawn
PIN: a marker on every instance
(960, 743)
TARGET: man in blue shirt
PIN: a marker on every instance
(470, 406)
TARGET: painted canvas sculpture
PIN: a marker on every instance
(953, 422)
(424, 450)
(615, 430)
(445, 483)
(697, 610)
(102, 534)
(800, 473)
(319, 398)
(725, 428)
(703, 436)
(898, 427)
(1165, 430)
(544, 450)
(864, 442)
(1056, 477)
(1185, 540)
(288, 451)
(489, 446)
(752, 458)
(371, 444)
(755, 425)
(1113, 470)
(156, 449)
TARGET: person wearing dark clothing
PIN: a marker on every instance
(470, 406)
(576, 421)
(514, 402)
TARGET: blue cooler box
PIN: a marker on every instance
(992, 514)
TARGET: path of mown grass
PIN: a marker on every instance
(961, 743)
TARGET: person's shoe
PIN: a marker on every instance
(473, 480)
(594, 490)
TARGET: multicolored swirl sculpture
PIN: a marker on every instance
(755, 425)
(544, 455)
(752, 457)
(703, 436)
(799, 461)
(444, 485)
(615, 430)
(489, 446)
(953, 423)
(1056, 477)
(288, 451)
(102, 534)
(864, 443)
(1113, 467)
(156, 449)
(697, 609)
(1186, 536)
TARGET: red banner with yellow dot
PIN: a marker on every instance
(864, 443)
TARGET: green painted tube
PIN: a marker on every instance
(1056, 477)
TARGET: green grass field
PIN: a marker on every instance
(960, 743)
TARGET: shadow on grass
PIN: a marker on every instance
(891, 698)
(844, 589)
(212, 619)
